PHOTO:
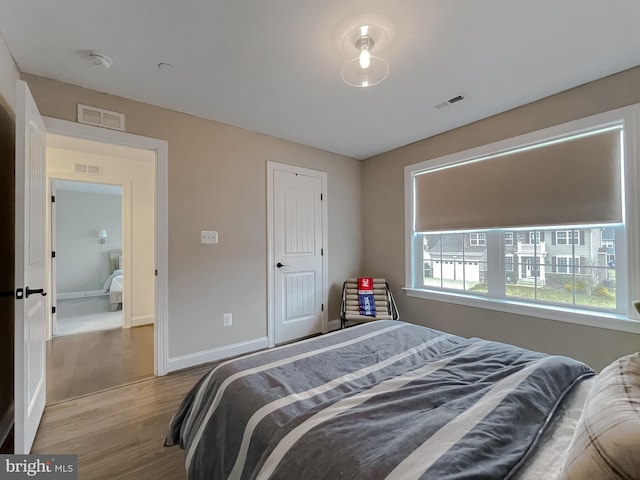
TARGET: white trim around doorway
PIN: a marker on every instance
(161, 147)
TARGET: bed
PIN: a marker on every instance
(386, 399)
(113, 285)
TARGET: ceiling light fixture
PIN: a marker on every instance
(100, 60)
(366, 69)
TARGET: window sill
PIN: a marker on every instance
(560, 314)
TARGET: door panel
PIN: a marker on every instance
(30, 311)
(299, 292)
(298, 252)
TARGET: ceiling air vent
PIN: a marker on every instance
(100, 118)
(452, 100)
(87, 169)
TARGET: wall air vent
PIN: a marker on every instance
(85, 169)
(100, 118)
(452, 100)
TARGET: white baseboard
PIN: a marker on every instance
(334, 325)
(88, 293)
(215, 354)
(142, 320)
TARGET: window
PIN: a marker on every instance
(569, 237)
(548, 251)
(508, 239)
(566, 264)
(477, 239)
(534, 238)
(508, 263)
(565, 237)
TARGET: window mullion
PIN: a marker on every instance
(626, 267)
(536, 241)
(572, 262)
(495, 264)
(418, 260)
(441, 263)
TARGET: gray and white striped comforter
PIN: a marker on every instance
(383, 400)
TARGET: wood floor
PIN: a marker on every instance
(119, 433)
(90, 362)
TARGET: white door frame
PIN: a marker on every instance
(126, 249)
(161, 147)
(271, 256)
(53, 265)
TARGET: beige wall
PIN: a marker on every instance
(217, 181)
(383, 250)
(134, 169)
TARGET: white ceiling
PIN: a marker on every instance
(273, 66)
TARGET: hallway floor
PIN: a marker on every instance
(91, 362)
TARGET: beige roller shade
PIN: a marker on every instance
(576, 181)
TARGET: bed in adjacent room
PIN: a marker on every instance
(113, 285)
(386, 399)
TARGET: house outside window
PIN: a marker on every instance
(455, 262)
(532, 271)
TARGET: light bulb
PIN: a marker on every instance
(365, 68)
(365, 58)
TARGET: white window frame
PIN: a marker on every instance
(627, 259)
(508, 260)
(508, 239)
(571, 237)
(534, 238)
(477, 239)
(571, 265)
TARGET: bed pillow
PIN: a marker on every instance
(606, 442)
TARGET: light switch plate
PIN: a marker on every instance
(208, 236)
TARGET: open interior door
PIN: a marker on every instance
(30, 305)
